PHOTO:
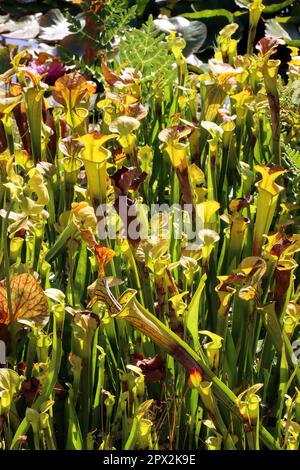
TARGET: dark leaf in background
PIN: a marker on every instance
(194, 32)
(26, 27)
(54, 26)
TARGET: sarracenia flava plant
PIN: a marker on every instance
(268, 192)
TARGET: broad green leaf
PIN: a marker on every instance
(192, 318)
(210, 14)
(276, 7)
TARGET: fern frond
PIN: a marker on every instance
(108, 20)
(292, 158)
(146, 50)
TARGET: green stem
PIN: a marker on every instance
(68, 232)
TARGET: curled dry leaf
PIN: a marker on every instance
(127, 76)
